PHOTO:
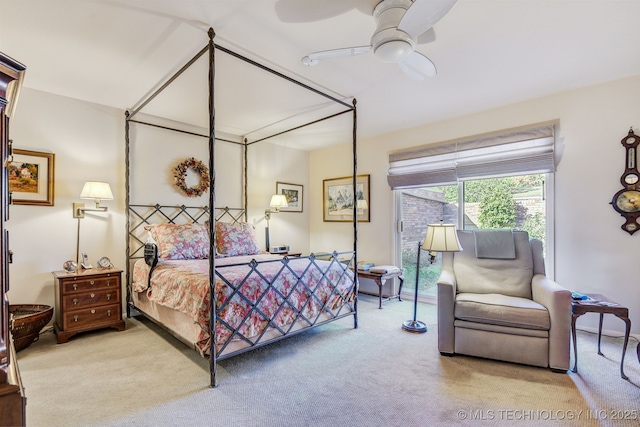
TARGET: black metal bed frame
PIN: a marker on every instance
(138, 215)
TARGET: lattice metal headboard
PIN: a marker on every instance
(141, 215)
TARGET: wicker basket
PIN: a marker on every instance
(27, 320)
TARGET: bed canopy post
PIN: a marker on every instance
(245, 200)
(127, 202)
(355, 210)
(212, 207)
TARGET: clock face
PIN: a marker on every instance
(627, 201)
(631, 178)
(104, 262)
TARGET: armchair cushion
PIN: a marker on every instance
(494, 276)
(504, 310)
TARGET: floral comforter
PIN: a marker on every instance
(251, 296)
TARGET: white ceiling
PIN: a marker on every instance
(489, 53)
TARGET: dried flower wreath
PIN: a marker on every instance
(180, 173)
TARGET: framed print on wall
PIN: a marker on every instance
(293, 193)
(338, 199)
(31, 175)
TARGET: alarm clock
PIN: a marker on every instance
(104, 262)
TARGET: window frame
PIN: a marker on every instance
(549, 191)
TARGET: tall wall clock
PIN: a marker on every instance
(627, 201)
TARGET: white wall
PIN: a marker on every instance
(268, 164)
(88, 141)
(592, 253)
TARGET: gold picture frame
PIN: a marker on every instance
(338, 199)
(31, 175)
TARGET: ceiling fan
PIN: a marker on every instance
(401, 25)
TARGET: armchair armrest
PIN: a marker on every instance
(557, 301)
(446, 303)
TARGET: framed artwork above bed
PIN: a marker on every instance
(294, 195)
(338, 199)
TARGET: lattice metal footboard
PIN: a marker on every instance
(320, 289)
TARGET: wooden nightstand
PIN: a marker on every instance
(87, 300)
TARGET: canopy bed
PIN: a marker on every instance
(174, 249)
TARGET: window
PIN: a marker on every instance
(498, 180)
(516, 202)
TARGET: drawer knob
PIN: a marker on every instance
(92, 282)
(75, 318)
(93, 295)
(108, 283)
(109, 313)
(75, 301)
(93, 312)
(108, 297)
(75, 286)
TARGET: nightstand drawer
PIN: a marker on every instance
(78, 300)
(91, 317)
(86, 284)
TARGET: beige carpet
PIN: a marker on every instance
(376, 375)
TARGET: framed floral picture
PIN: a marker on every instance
(339, 200)
(31, 175)
(294, 195)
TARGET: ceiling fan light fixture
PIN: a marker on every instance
(393, 50)
(309, 62)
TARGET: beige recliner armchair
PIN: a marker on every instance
(494, 301)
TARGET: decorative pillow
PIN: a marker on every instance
(236, 239)
(180, 241)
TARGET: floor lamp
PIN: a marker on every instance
(440, 238)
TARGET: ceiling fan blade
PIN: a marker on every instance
(296, 11)
(417, 66)
(313, 58)
(428, 36)
(423, 14)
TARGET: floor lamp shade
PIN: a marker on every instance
(441, 238)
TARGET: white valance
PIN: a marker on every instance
(513, 152)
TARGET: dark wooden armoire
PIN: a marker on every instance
(12, 397)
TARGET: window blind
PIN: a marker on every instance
(519, 151)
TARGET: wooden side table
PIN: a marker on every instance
(381, 279)
(602, 305)
(87, 300)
